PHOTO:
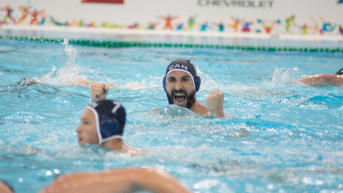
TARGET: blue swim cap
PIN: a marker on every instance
(340, 72)
(184, 66)
(110, 119)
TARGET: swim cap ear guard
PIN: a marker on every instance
(185, 66)
(110, 119)
(340, 72)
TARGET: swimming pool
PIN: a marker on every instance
(284, 138)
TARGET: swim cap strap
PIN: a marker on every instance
(97, 123)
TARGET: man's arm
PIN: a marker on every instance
(215, 103)
(122, 180)
(99, 92)
(321, 80)
(91, 82)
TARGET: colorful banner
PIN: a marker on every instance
(273, 17)
(104, 1)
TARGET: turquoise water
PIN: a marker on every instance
(284, 138)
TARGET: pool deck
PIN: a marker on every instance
(116, 31)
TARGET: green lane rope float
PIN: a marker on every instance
(125, 44)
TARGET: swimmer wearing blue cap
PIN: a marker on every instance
(180, 83)
(321, 80)
(103, 123)
(117, 181)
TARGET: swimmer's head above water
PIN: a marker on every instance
(100, 122)
(340, 72)
(181, 82)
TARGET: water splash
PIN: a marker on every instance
(285, 75)
(133, 86)
(71, 73)
(207, 83)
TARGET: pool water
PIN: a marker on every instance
(283, 138)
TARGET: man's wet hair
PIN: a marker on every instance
(7, 184)
(340, 72)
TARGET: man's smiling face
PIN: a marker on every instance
(180, 89)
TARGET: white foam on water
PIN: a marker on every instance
(207, 83)
(70, 73)
(285, 75)
(133, 86)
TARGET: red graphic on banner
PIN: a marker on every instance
(104, 1)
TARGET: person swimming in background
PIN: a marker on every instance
(180, 83)
(321, 80)
(5, 187)
(103, 123)
(117, 181)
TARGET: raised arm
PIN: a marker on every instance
(321, 80)
(99, 92)
(117, 181)
(215, 103)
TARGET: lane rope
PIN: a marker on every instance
(127, 44)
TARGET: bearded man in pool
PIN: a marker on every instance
(180, 83)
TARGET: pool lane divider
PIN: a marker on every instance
(126, 44)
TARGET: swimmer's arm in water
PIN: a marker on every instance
(321, 80)
(215, 102)
(121, 180)
(91, 82)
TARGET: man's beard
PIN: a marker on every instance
(189, 97)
